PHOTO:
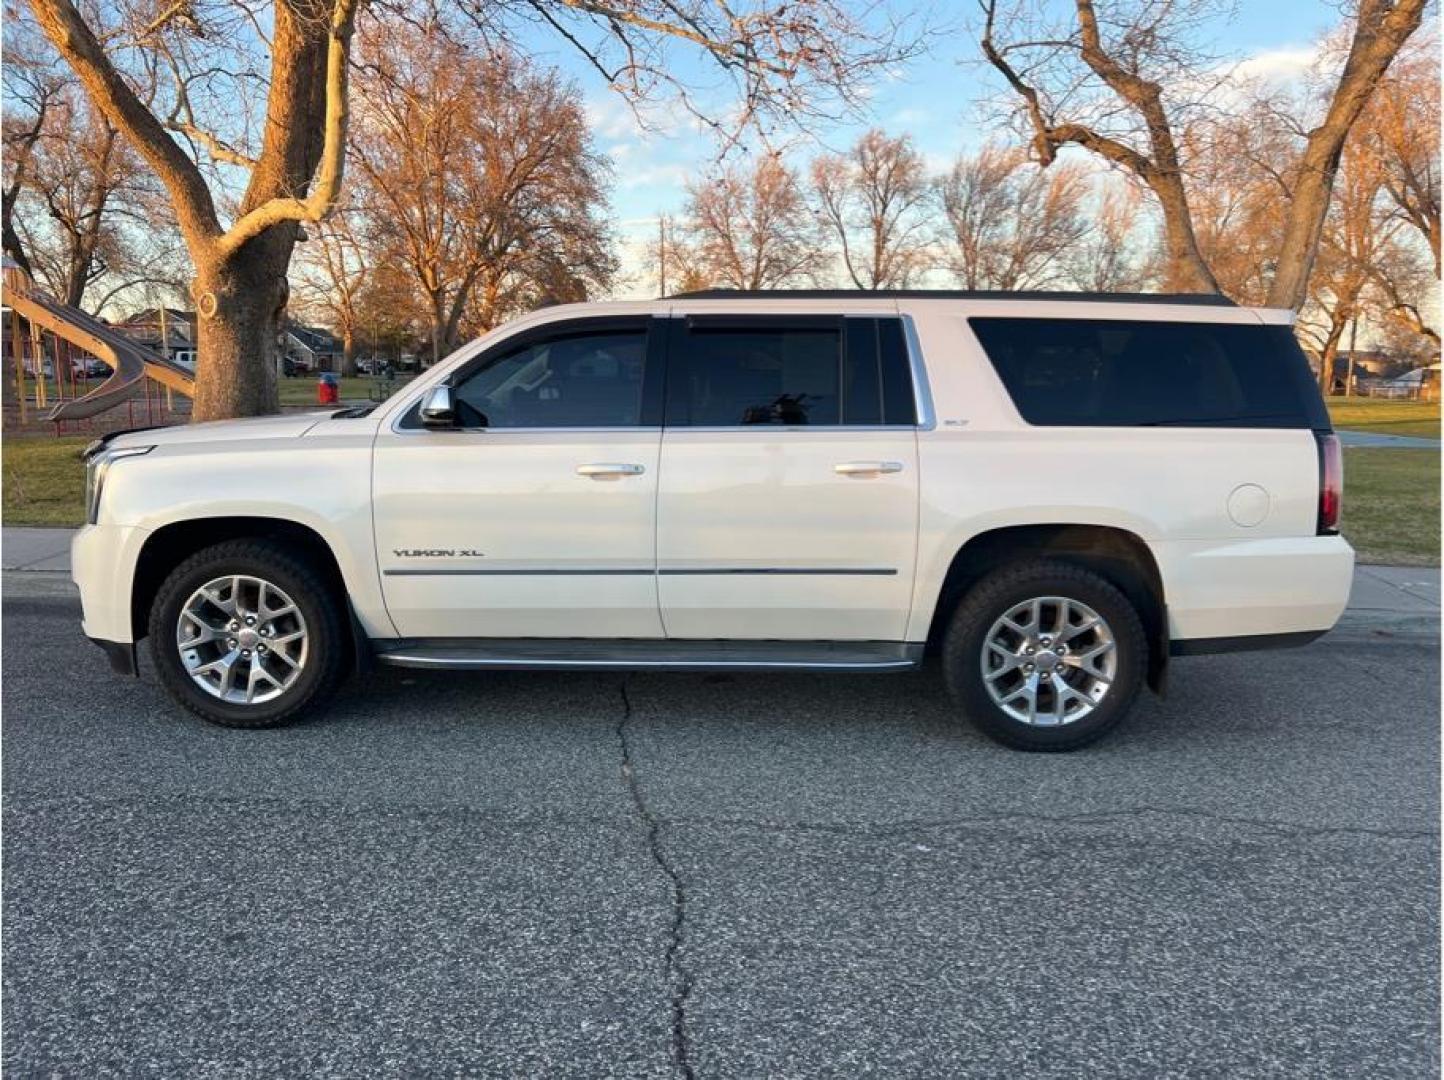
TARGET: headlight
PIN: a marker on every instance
(97, 464)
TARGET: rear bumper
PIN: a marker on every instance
(1246, 643)
(1231, 595)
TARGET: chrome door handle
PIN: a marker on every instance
(867, 468)
(608, 468)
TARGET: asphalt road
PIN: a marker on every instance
(569, 875)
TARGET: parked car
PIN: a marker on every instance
(1055, 494)
(89, 367)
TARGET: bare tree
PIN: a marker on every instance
(480, 175)
(1111, 257)
(787, 63)
(1011, 224)
(334, 270)
(1405, 283)
(1380, 30)
(240, 285)
(1116, 69)
(243, 180)
(1240, 188)
(1358, 232)
(1401, 125)
(390, 316)
(89, 207)
(874, 201)
(31, 91)
(750, 227)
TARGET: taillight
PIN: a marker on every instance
(1331, 481)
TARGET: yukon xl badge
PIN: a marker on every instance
(436, 553)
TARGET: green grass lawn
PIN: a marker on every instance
(302, 389)
(1385, 417)
(1391, 505)
(44, 481)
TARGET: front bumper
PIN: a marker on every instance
(103, 559)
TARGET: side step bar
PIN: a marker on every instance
(584, 654)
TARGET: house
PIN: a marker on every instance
(177, 327)
(1367, 364)
(1369, 367)
(311, 348)
(1420, 384)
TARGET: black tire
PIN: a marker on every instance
(1014, 584)
(326, 645)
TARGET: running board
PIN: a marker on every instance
(578, 654)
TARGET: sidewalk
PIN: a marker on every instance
(1399, 442)
(34, 549)
(1399, 590)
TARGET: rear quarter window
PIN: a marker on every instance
(1122, 373)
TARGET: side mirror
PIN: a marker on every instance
(438, 410)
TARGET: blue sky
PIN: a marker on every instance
(935, 98)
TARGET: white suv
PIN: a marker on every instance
(1053, 492)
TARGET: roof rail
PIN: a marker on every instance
(1193, 299)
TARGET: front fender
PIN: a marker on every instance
(323, 485)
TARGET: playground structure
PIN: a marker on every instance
(133, 367)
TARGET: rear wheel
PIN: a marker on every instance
(1045, 655)
(247, 634)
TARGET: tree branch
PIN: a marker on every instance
(330, 171)
(730, 52)
(73, 39)
(1382, 29)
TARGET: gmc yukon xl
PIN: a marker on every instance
(1053, 493)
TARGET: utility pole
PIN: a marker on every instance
(165, 352)
(1353, 338)
(662, 251)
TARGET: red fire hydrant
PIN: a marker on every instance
(327, 392)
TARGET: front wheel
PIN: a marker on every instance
(247, 634)
(1045, 655)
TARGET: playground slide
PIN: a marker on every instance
(131, 363)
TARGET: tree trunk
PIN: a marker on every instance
(348, 352)
(239, 303)
(77, 277)
(1328, 354)
(438, 331)
(1187, 270)
(12, 245)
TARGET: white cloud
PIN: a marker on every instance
(908, 117)
(1278, 65)
(670, 176)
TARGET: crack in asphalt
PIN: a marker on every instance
(679, 978)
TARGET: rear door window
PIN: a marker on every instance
(1120, 373)
(730, 371)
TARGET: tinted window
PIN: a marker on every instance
(1102, 372)
(729, 372)
(589, 379)
(899, 407)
